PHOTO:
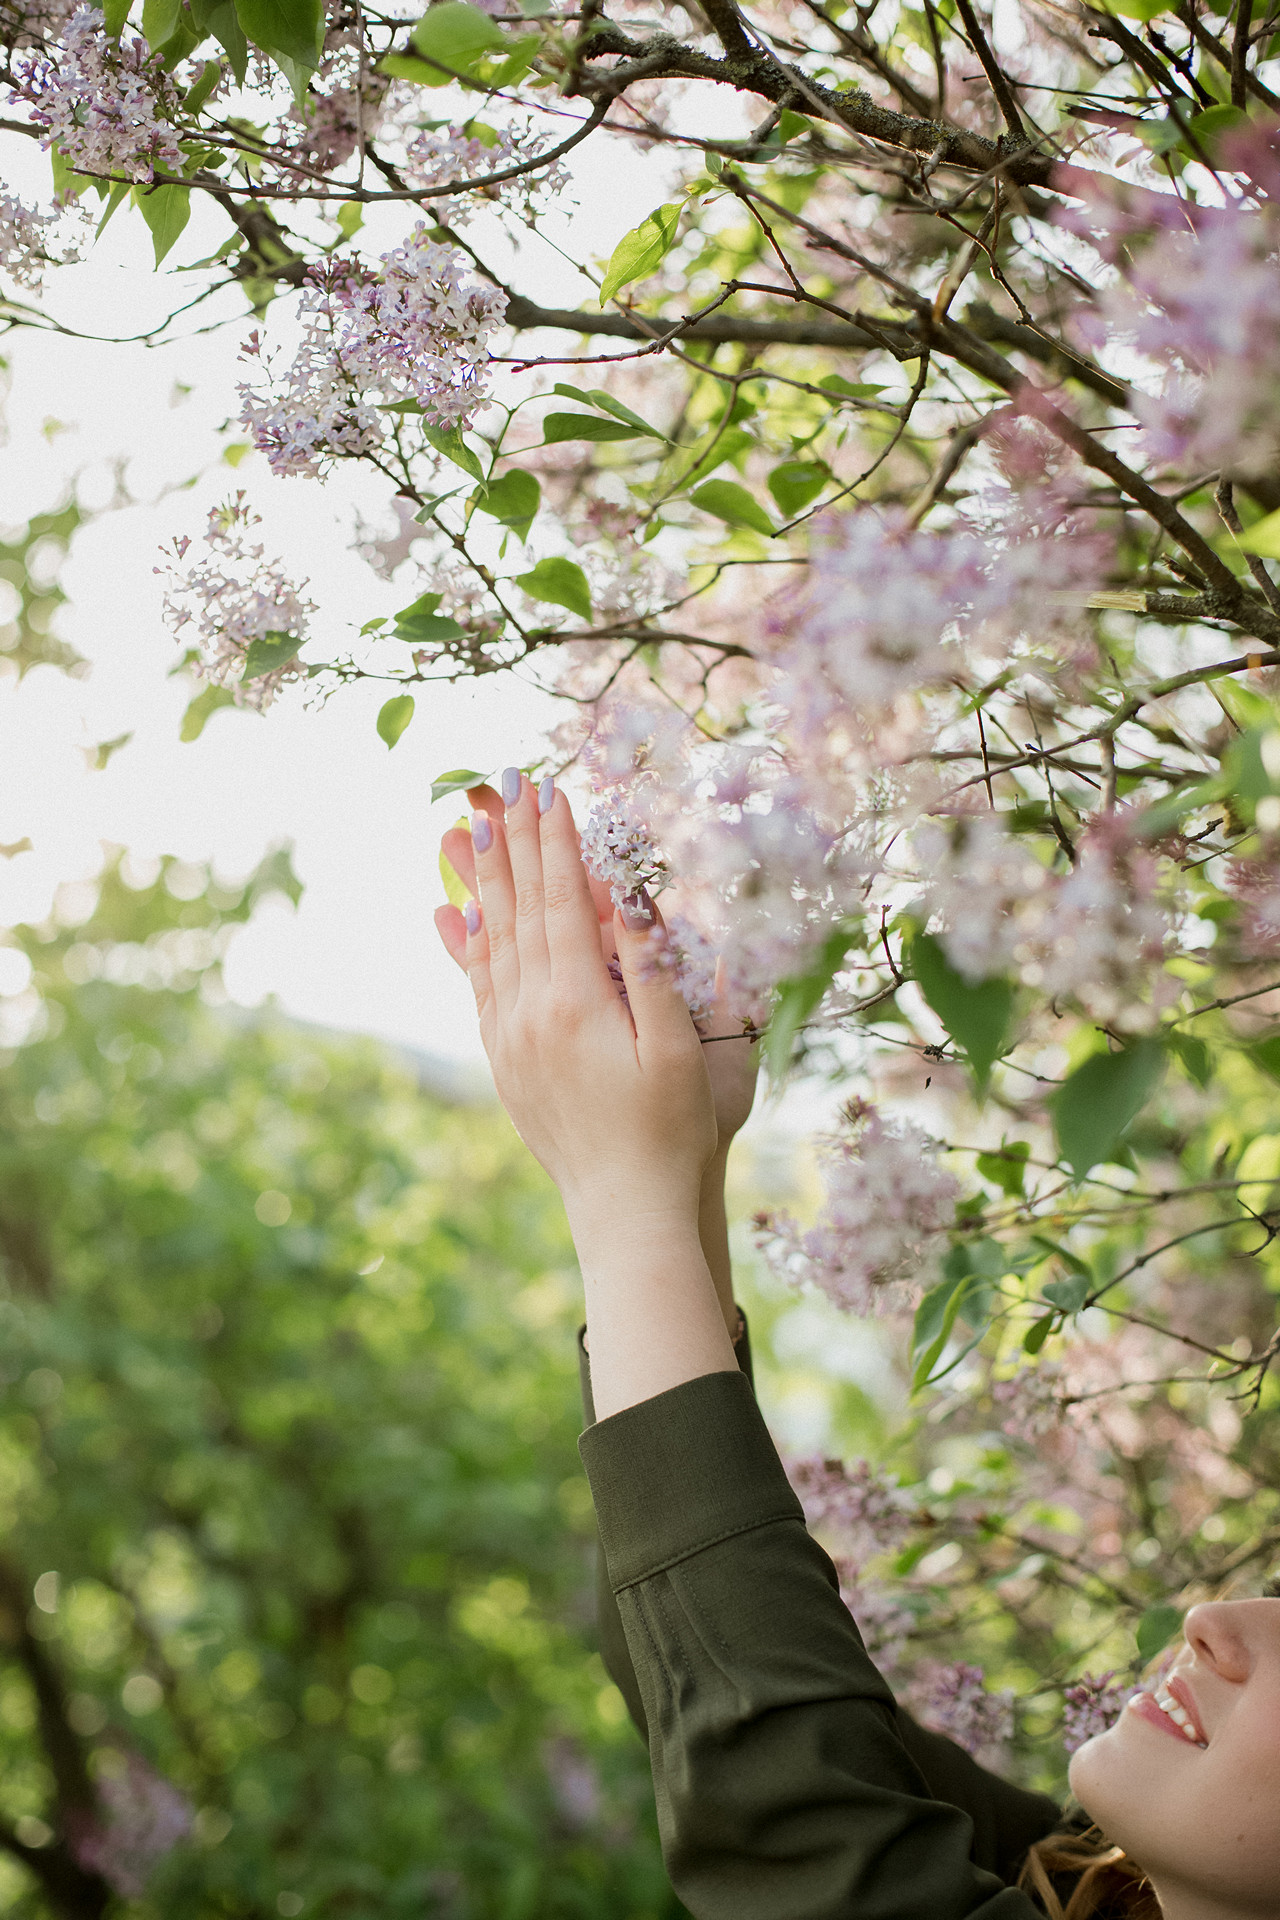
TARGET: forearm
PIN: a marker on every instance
(654, 1316)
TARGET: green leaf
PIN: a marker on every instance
(227, 31)
(586, 426)
(1068, 1295)
(350, 218)
(849, 389)
(450, 443)
(597, 397)
(1068, 1259)
(114, 15)
(513, 499)
(1194, 1055)
(1006, 1169)
(732, 504)
(1266, 1054)
(1155, 1630)
(269, 651)
(935, 1318)
(394, 717)
(166, 211)
(560, 582)
(1242, 704)
(119, 192)
(1263, 537)
(976, 1015)
(67, 184)
(293, 28)
(160, 21)
(1135, 9)
(796, 482)
(204, 704)
(1205, 130)
(1035, 1336)
(639, 252)
(421, 625)
(457, 780)
(196, 95)
(453, 39)
(1099, 1100)
(456, 892)
(798, 997)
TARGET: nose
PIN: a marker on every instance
(1214, 1632)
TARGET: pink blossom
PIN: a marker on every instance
(1091, 1704)
(885, 1199)
(952, 1698)
(1102, 933)
(621, 852)
(976, 877)
(1197, 290)
(141, 1816)
(231, 597)
(415, 330)
(1255, 887)
(106, 105)
(866, 1512)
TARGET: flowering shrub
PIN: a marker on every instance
(897, 520)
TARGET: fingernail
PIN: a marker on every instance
(481, 832)
(511, 785)
(471, 914)
(546, 795)
(637, 912)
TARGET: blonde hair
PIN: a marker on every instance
(1108, 1884)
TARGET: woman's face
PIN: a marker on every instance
(1188, 1779)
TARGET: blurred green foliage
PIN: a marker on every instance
(291, 1515)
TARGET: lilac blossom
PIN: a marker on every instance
(1091, 1704)
(976, 877)
(140, 1817)
(1198, 292)
(414, 330)
(620, 851)
(25, 235)
(1102, 934)
(866, 1512)
(436, 157)
(107, 105)
(878, 1612)
(952, 1698)
(231, 597)
(885, 1198)
(1254, 885)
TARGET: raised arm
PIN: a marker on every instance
(784, 1789)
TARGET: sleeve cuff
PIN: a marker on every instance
(680, 1472)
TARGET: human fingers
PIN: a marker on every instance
(664, 1025)
(524, 850)
(498, 901)
(572, 921)
(455, 845)
(467, 941)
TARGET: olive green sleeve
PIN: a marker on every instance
(1007, 1820)
(783, 1785)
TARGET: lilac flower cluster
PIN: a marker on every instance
(25, 234)
(867, 1513)
(415, 330)
(620, 850)
(107, 105)
(140, 1817)
(952, 1698)
(433, 157)
(1254, 885)
(1091, 1704)
(231, 597)
(878, 1612)
(1197, 290)
(976, 877)
(886, 1197)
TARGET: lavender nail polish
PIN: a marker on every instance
(511, 786)
(481, 832)
(637, 912)
(546, 795)
(471, 914)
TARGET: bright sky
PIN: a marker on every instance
(361, 951)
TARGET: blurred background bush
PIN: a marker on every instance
(295, 1550)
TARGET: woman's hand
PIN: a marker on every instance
(616, 1105)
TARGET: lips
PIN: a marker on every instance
(1171, 1707)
